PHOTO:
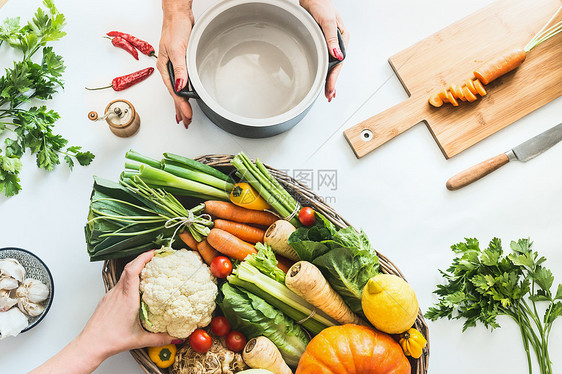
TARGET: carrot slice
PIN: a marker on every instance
(435, 100)
(452, 99)
(469, 95)
(500, 65)
(443, 95)
(468, 83)
(457, 92)
(479, 87)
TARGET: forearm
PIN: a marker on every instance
(172, 8)
(78, 357)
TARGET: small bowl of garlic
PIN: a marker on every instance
(26, 291)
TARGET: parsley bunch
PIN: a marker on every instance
(482, 284)
(23, 126)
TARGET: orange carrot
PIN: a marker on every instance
(469, 95)
(470, 85)
(479, 87)
(435, 100)
(231, 212)
(500, 65)
(284, 263)
(241, 231)
(188, 239)
(443, 95)
(457, 92)
(207, 251)
(229, 245)
(452, 99)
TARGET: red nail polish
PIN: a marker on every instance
(177, 119)
(334, 94)
(177, 341)
(179, 84)
(338, 54)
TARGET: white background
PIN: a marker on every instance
(397, 193)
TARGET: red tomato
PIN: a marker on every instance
(235, 341)
(200, 341)
(306, 216)
(220, 326)
(221, 267)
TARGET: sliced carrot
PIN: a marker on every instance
(232, 212)
(245, 232)
(207, 251)
(500, 65)
(229, 245)
(443, 95)
(188, 239)
(479, 87)
(470, 85)
(469, 95)
(452, 99)
(457, 92)
(435, 100)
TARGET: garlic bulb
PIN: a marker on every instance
(30, 308)
(6, 302)
(11, 268)
(12, 322)
(32, 290)
(8, 283)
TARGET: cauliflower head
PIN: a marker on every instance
(178, 291)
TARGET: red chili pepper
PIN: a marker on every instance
(125, 45)
(126, 81)
(139, 44)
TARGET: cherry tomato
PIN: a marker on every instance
(235, 341)
(220, 326)
(221, 267)
(306, 216)
(200, 341)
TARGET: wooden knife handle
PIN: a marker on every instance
(476, 172)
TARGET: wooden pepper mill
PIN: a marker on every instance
(121, 116)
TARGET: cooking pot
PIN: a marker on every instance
(256, 66)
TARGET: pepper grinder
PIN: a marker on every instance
(121, 116)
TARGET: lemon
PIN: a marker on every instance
(389, 303)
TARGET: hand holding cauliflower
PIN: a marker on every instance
(178, 293)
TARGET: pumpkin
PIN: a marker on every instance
(353, 349)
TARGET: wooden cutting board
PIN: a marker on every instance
(450, 56)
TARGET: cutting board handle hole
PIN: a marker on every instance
(366, 135)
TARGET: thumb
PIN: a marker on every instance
(330, 29)
(177, 56)
(156, 339)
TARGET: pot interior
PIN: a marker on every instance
(257, 60)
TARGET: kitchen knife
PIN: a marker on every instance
(523, 152)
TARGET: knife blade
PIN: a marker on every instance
(523, 152)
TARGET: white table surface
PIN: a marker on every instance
(397, 193)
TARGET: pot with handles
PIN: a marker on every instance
(256, 66)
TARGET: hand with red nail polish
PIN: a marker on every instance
(176, 29)
(114, 327)
(330, 21)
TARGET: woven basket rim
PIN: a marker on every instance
(112, 268)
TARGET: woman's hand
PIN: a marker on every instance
(176, 29)
(330, 21)
(113, 328)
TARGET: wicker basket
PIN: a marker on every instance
(113, 268)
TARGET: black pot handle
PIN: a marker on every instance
(187, 91)
(332, 61)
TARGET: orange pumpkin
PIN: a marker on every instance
(353, 349)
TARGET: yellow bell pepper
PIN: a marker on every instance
(413, 343)
(163, 356)
(244, 195)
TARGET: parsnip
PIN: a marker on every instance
(261, 353)
(277, 236)
(307, 281)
